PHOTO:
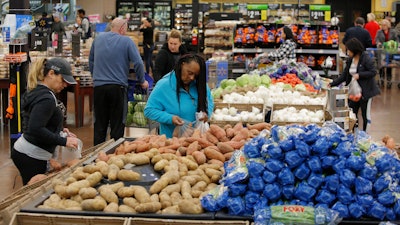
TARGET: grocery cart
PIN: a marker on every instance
(384, 60)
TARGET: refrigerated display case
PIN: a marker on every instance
(145, 8)
(162, 14)
(183, 20)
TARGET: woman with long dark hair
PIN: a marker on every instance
(360, 66)
(180, 94)
(285, 51)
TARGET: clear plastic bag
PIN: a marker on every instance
(185, 130)
(354, 90)
(201, 125)
(64, 154)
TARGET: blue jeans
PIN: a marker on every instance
(148, 57)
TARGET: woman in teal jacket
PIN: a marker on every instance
(180, 94)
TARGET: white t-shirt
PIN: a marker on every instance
(353, 68)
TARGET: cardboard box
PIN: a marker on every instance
(314, 108)
(240, 107)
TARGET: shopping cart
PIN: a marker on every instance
(383, 61)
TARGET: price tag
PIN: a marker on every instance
(257, 12)
(320, 12)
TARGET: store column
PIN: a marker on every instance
(21, 7)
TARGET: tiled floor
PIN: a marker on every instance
(385, 109)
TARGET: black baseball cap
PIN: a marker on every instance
(61, 66)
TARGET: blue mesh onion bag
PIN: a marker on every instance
(363, 186)
(302, 171)
(314, 164)
(325, 197)
(347, 178)
(342, 209)
(356, 210)
(272, 191)
(236, 206)
(285, 176)
(293, 159)
(273, 165)
(344, 195)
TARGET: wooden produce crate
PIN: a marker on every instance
(148, 221)
(314, 108)
(21, 218)
(240, 108)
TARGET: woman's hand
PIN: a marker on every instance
(204, 118)
(55, 164)
(72, 142)
(356, 76)
(177, 121)
(145, 84)
(69, 133)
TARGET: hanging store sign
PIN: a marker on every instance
(320, 13)
(257, 12)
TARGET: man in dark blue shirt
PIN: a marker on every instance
(358, 32)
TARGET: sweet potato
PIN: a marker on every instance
(102, 156)
(120, 150)
(143, 147)
(242, 135)
(230, 132)
(211, 138)
(202, 142)
(218, 132)
(194, 146)
(199, 157)
(224, 148)
(259, 126)
(182, 150)
(237, 128)
(228, 156)
(213, 154)
(236, 144)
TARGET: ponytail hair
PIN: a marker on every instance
(37, 72)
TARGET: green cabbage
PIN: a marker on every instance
(129, 119)
(216, 93)
(265, 80)
(300, 87)
(287, 87)
(131, 106)
(227, 82)
(242, 80)
(139, 107)
(139, 119)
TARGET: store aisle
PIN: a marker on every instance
(385, 109)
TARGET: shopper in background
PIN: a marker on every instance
(180, 94)
(361, 67)
(385, 34)
(168, 55)
(372, 27)
(285, 51)
(43, 118)
(148, 44)
(110, 18)
(358, 32)
(44, 22)
(109, 62)
(85, 24)
(57, 26)
(397, 28)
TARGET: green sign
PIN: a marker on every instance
(320, 7)
(257, 7)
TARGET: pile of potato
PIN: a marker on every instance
(177, 191)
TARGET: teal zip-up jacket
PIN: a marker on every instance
(163, 104)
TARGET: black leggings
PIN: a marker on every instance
(365, 105)
(28, 167)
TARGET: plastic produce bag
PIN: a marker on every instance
(315, 180)
(251, 150)
(235, 169)
(216, 199)
(285, 176)
(255, 167)
(386, 198)
(256, 184)
(331, 182)
(269, 177)
(347, 178)
(369, 172)
(321, 146)
(354, 90)
(65, 154)
(252, 197)
(327, 161)
(363, 186)
(356, 210)
(325, 196)
(344, 195)
(185, 130)
(296, 214)
(271, 150)
(365, 200)
(302, 148)
(237, 189)
(274, 165)
(236, 206)
(201, 125)
(304, 192)
(355, 162)
(288, 191)
(377, 211)
(262, 214)
(382, 183)
(272, 191)
(293, 159)
(342, 209)
(302, 171)
(314, 164)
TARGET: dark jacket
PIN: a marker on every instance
(165, 61)
(147, 36)
(360, 33)
(380, 36)
(367, 71)
(42, 119)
